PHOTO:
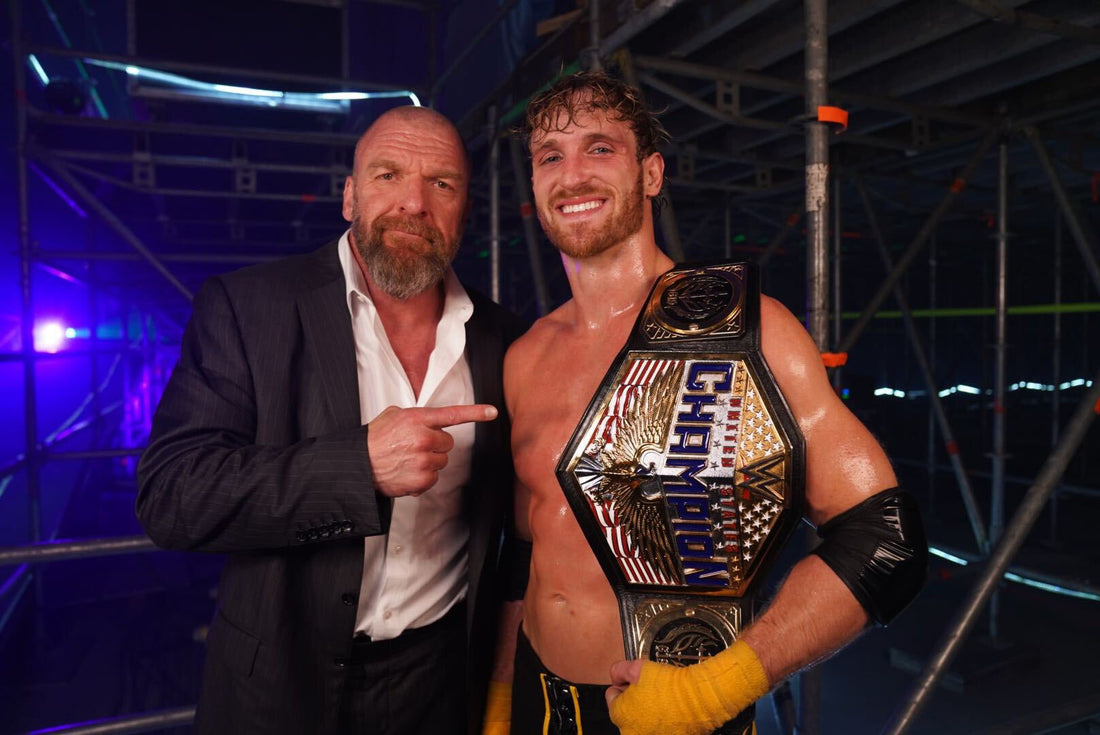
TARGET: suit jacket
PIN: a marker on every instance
(258, 451)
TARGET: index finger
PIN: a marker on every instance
(443, 416)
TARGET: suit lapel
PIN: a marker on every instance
(481, 354)
(476, 342)
(327, 326)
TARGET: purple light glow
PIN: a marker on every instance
(49, 337)
(58, 190)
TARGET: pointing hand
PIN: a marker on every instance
(408, 446)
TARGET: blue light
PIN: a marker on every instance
(1057, 589)
(249, 91)
(1022, 385)
(368, 96)
(42, 75)
(949, 557)
(176, 85)
(1048, 587)
(343, 96)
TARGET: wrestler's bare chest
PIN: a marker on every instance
(547, 410)
(570, 612)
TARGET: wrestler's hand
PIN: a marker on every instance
(408, 446)
(647, 698)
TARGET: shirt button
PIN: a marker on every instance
(398, 549)
(387, 615)
(348, 598)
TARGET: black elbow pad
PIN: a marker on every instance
(879, 549)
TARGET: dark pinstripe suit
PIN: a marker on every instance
(258, 451)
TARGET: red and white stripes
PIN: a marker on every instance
(639, 375)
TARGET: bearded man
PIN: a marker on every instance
(332, 428)
(595, 173)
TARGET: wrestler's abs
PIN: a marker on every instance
(571, 614)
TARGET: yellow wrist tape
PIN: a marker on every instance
(693, 700)
(498, 709)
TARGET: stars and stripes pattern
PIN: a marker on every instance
(639, 374)
(758, 515)
(744, 519)
(759, 435)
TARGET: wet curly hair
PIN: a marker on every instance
(556, 107)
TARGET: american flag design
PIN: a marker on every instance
(639, 374)
(747, 466)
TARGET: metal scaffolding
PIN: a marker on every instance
(742, 84)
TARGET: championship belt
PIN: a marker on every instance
(686, 472)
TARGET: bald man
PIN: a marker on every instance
(335, 426)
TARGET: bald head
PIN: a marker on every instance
(407, 200)
(414, 119)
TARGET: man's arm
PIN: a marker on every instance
(814, 612)
(205, 484)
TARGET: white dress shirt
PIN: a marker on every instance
(414, 574)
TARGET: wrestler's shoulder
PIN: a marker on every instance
(545, 333)
(778, 321)
(773, 308)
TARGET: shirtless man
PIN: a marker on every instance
(596, 171)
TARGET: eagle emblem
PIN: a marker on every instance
(627, 472)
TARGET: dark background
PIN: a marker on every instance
(207, 186)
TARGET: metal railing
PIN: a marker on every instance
(148, 722)
(58, 550)
(51, 551)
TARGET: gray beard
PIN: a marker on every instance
(401, 274)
